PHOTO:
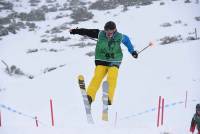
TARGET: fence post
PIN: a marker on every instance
(186, 96)
(162, 116)
(158, 117)
(52, 116)
(36, 121)
(116, 119)
(0, 119)
(196, 33)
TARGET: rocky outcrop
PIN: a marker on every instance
(5, 5)
(34, 15)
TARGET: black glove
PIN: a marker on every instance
(72, 31)
(134, 54)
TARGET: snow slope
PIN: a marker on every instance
(162, 70)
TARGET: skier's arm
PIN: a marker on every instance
(193, 125)
(126, 41)
(93, 33)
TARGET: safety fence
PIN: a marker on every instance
(159, 107)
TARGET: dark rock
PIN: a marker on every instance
(162, 3)
(13, 15)
(197, 18)
(50, 1)
(34, 4)
(90, 54)
(177, 22)
(3, 31)
(5, 20)
(52, 9)
(125, 8)
(34, 15)
(47, 31)
(34, 1)
(12, 28)
(145, 3)
(53, 50)
(30, 76)
(44, 40)
(168, 39)
(191, 38)
(82, 45)
(167, 24)
(103, 5)
(76, 3)
(12, 68)
(64, 7)
(18, 71)
(44, 8)
(32, 51)
(20, 25)
(31, 25)
(187, 1)
(49, 69)
(59, 39)
(55, 30)
(15, 70)
(81, 14)
(5, 5)
(111, 4)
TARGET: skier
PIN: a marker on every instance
(196, 120)
(108, 57)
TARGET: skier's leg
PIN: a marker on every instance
(112, 82)
(99, 74)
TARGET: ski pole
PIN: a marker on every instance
(150, 44)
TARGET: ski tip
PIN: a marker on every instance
(80, 77)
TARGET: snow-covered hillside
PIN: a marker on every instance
(44, 60)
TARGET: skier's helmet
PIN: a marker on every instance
(198, 107)
(110, 25)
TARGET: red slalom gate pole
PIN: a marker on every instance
(36, 121)
(162, 116)
(52, 117)
(0, 119)
(186, 96)
(158, 117)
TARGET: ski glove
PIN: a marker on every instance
(73, 31)
(193, 125)
(135, 54)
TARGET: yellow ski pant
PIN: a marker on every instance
(99, 74)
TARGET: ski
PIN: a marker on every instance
(81, 83)
(105, 101)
